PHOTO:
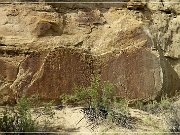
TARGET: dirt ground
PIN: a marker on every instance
(71, 121)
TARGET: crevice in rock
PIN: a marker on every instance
(170, 77)
(79, 44)
(2, 44)
(162, 1)
(169, 11)
(171, 58)
(14, 52)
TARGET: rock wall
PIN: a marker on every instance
(48, 49)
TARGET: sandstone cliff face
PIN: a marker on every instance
(47, 50)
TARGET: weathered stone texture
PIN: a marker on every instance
(53, 74)
(136, 75)
(47, 50)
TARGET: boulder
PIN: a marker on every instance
(128, 61)
(54, 73)
(29, 21)
(57, 51)
(136, 75)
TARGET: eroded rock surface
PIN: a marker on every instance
(47, 51)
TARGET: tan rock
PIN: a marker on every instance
(136, 4)
(61, 50)
(43, 28)
(8, 73)
(168, 6)
(173, 49)
(82, 22)
(23, 21)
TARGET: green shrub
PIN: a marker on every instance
(121, 105)
(18, 118)
(93, 95)
(108, 94)
(155, 106)
(100, 103)
(83, 95)
(139, 105)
